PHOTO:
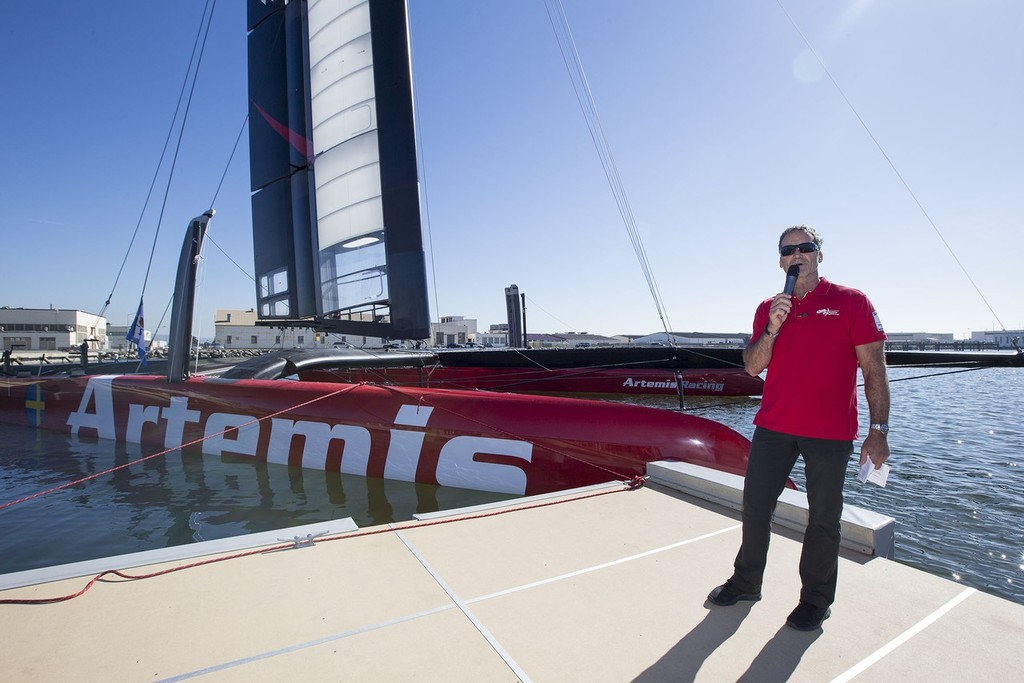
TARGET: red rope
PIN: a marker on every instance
(632, 485)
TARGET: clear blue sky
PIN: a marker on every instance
(724, 130)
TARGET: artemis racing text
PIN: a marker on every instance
(671, 384)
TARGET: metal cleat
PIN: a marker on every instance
(303, 542)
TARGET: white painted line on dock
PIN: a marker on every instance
(301, 646)
(597, 567)
(488, 636)
(891, 646)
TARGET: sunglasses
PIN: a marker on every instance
(805, 248)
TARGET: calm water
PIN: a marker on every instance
(956, 487)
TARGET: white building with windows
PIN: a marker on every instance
(496, 335)
(453, 329)
(51, 329)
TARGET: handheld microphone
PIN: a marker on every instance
(791, 275)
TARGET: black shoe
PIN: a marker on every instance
(808, 617)
(729, 594)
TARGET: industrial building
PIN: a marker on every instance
(51, 329)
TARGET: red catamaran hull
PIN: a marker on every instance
(486, 441)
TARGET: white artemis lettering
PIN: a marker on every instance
(318, 437)
(102, 420)
(457, 464)
(234, 433)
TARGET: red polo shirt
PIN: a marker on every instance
(811, 386)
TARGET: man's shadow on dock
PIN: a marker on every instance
(776, 661)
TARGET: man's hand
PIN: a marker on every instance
(876, 447)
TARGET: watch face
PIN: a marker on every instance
(884, 428)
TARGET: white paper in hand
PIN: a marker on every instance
(869, 473)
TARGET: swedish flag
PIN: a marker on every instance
(35, 405)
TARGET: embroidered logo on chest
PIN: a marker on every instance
(827, 311)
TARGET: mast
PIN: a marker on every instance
(180, 338)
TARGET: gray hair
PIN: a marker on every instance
(811, 232)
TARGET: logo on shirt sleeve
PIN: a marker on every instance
(878, 321)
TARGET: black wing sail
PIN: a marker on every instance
(336, 220)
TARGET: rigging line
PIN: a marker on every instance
(231, 158)
(693, 350)
(181, 136)
(430, 241)
(530, 359)
(534, 302)
(422, 166)
(160, 163)
(213, 203)
(201, 271)
(889, 161)
(588, 107)
(228, 257)
(861, 384)
(935, 374)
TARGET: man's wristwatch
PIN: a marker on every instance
(881, 426)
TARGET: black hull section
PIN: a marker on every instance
(955, 359)
(681, 358)
(284, 363)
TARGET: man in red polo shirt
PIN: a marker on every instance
(811, 342)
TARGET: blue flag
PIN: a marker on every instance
(137, 335)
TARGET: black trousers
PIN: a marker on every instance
(772, 456)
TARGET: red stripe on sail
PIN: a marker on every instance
(299, 142)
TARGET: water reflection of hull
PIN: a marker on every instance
(504, 443)
(176, 498)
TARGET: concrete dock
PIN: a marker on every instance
(602, 584)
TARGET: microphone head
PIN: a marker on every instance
(791, 275)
